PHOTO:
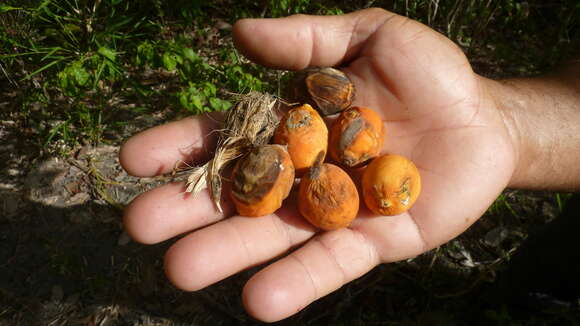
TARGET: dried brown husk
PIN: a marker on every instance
(326, 89)
(251, 122)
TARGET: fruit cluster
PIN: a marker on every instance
(328, 197)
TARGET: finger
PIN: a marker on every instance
(396, 237)
(299, 41)
(225, 248)
(412, 71)
(157, 150)
(323, 265)
(167, 211)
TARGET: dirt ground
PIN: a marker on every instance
(65, 260)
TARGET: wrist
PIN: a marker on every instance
(542, 117)
(507, 101)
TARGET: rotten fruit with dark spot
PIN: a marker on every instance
(262, 179)
(306, 135)
(356, 136)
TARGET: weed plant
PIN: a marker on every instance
(72, 66)
(75, 72)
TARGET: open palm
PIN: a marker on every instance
(436, 112)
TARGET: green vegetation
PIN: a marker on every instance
(73, 60)
(78, 71)
(74, 67)
(88, 72)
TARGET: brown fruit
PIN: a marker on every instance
(328, 197)
(356, 136)
(306, 135)
(391, 184)
(262, 180)
(327, 89)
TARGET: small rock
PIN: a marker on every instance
(36, 106)
(80, 198)
(495, 236)
(124, 195)
(223, 26)
(50, 200)
(459, 252)
(14, 172)
(72, 187)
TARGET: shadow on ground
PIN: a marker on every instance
(65, 260)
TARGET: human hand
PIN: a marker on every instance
(436, 111)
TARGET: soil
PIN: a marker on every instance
(65, 259)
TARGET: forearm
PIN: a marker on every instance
(542, 115)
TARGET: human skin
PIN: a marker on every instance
(470, 137)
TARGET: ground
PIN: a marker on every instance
(65, 259)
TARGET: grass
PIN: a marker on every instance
(81, 72)
(75, 63)
(90, 57)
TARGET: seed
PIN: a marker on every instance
(327, 89)
(391, 184)
(356, 136)
(262, 179)
(306, 135)
(328, 197)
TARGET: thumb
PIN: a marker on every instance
(300, 41)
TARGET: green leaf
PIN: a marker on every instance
(209, 89)
(226, 105)
(63, 80)
(145, 53)
(236, 70)
(41, 69)
(184, 100)
(169, 61)
(72, 77)
(218, 104)
(81, 75)
(190, 55)
(78, 73)
(7, 8)
(107, 53)
(197, 101)
(178, 58)
(71, 28)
